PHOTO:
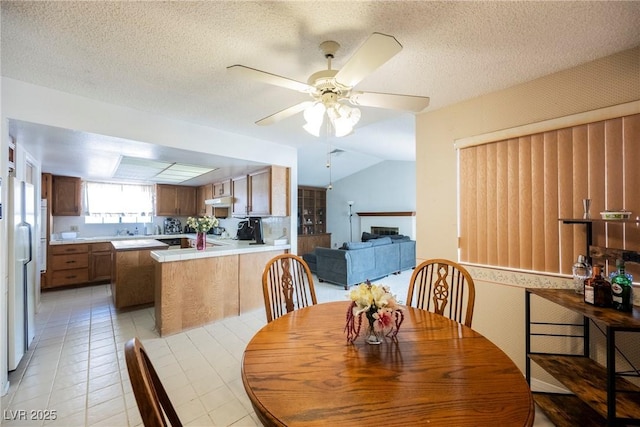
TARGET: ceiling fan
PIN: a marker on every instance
(329, 89)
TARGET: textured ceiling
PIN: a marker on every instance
(170, 58)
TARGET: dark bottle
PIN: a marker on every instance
(621, 288)
(589, 296)
(602, 296)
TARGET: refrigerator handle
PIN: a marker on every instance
(30, 254)
(23, 235)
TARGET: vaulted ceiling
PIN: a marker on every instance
(171, 58)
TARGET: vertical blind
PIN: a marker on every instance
(513, 193)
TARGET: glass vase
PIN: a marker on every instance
(201, 241)
(372, 336)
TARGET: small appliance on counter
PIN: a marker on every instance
(172, 226)
(250, 229)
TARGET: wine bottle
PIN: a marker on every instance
(621, 289)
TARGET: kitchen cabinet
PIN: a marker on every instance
(12, 156)
(78, 264)
(69, 265)
(203, 193)
(66, 197)
(100, 262)
(262, 193)
(222, 188)
(602, 395)
(133, 272)
(175, 200)
(46, 186)
(240, 188)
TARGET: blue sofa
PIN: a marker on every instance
(357, 262)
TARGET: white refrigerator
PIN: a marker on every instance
(22, 270)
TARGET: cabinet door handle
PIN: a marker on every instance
(71, 277)
(71, 262)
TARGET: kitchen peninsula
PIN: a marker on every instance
(198, 287)
(132, 271)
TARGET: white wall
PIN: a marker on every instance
(36, 104)
(388, 186)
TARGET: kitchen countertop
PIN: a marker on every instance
(138, 244)
(101, 239)
(222, 247)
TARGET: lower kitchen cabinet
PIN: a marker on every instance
(100, 262)
(69, 265)
(78, 264)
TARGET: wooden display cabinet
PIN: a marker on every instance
(312, 219)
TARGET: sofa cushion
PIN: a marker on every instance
(380, 241)
(368, 236)
(399, 237)
(358, 245)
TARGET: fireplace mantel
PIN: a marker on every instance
(406, 213)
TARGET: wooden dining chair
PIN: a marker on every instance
(287, 284)
(152, 399)
(443, 287)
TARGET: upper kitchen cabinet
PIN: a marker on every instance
(66, 197)
(240, 189)
(175, 200)
(262, 193)
(222, 188)
(203, 193)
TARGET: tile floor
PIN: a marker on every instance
(74, 373)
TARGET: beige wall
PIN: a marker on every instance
(604, 82)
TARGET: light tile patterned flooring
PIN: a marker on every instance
(75, 368)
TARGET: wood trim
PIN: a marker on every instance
(573, 120)
(407, 213)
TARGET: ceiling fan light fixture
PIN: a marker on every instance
(314, 116)
(343, 118)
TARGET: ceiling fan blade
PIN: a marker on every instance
(269, 78)
(283, 114)
(390, 101)
(378, 49)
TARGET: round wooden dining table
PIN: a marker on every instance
(299, 370)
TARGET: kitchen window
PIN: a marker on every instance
(112, 203)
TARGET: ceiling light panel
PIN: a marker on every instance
(132, 168)
(137, 169)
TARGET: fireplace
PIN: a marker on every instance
(388, 223)
(384, 231)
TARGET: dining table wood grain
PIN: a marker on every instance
(299, 370)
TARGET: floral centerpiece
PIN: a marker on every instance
(379, 307)
(201, 226)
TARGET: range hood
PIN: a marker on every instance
(219, 202)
